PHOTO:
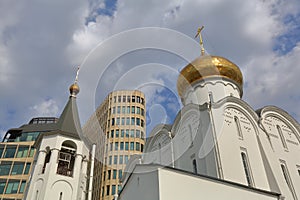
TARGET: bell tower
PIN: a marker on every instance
(60, 169)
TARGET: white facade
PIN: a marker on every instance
(49, 180)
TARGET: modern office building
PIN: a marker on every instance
(119, 127)
(17, 154)
(218, 147)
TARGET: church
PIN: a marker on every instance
(218, 147)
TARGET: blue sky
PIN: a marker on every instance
(42, 42)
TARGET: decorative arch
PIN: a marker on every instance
(66, 158)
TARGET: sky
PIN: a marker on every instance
(141, 45)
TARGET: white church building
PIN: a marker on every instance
(218, 147)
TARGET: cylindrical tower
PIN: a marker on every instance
(123, 122)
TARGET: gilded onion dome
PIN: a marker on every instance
(74, 89)
(206, 67)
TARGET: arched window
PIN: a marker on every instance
(247, 169)
(287, 178)
(282, 137)
(47, 159)
(66, 158)
(238, 127)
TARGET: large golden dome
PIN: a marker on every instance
(206, 67)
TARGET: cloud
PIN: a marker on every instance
(45, 108)
(42, 42)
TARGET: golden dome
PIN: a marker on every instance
(208, 66)
(74, 89)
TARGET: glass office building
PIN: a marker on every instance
(17, 155)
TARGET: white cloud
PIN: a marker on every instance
(46, 108)
(40, 43)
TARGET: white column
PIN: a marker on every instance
(53, 161)
(77, 166)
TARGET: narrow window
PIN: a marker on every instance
(238, 127)
(47, 160)
(107, 190)
(288, 180)
(60, 196)
(114, 174)
(282, 137)
(246, 168)
(195, 166)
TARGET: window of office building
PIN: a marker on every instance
(112, 133)
(107, 190)
(115, 160)
(10, 151)
(12, 187)
(138, 121)
(108, 174)
(137, 146)
(118, 121)
(2, 185)
(128, 109)
(132, 110)
(127, 133)
(124, 99)
(123, 109)
(1, 150)
(133, 99)
(142, 101)
(132, 121)
(31, 152)
(138, 133)
(128, 99)
(114, 110)
(120, 174)
(119, 99)
(121, 146)
(126, 158)
(138, 99)
(110, 160)
(138, 110)
(17, 168)
(22, 187)
(142, 123)
(27, 168)
(113, 190)
(5, 167)
(132, 133)
(114, 174)
(142, 112)
(121, 159)
(116, 146)
(117, 133)
(126, 146)
(131, 146)
(127, 120)
(122, 133)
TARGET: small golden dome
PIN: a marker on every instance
(208, 66)
(74, 89)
